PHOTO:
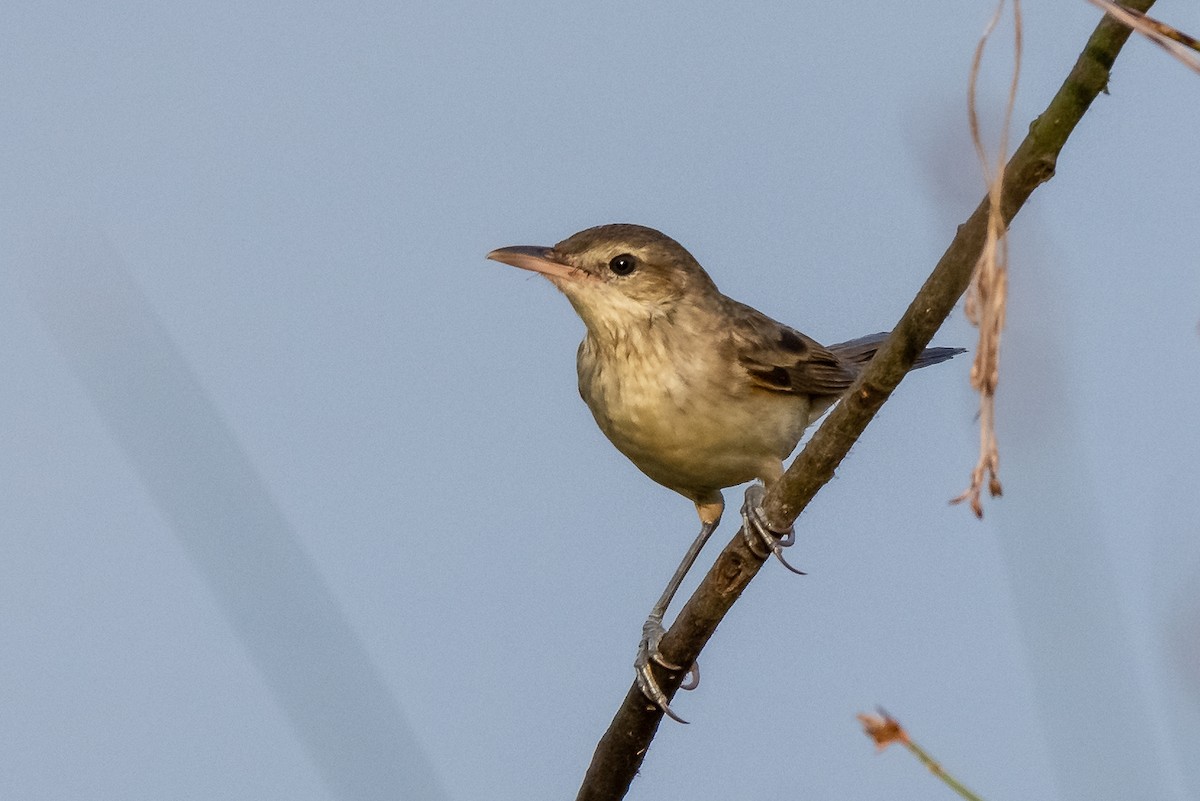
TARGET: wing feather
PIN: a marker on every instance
(781, 359)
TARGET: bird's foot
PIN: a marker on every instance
(760, 538)
(652, 634)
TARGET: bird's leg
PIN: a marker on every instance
(759, 535)
(653, 631)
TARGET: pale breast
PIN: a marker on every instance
(686, 416)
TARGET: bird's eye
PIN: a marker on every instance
(623, 264)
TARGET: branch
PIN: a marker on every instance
(621, 750)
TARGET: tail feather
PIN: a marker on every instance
(862, 350)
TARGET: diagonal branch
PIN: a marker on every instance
(620, 752)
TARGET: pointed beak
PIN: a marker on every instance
(538, 259)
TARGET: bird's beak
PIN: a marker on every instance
(538, 259)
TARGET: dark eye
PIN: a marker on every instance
(623, 264)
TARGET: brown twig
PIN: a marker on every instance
(621, 750)
(1173, 40)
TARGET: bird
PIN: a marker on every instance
(699, 391)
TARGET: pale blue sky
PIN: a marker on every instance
(300, 501)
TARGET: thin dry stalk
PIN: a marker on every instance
(885, 730)
(1173, 40)
(988, 293)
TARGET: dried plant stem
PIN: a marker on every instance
(987, 295)
(885, 730)
(937, 770)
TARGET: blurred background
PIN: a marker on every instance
(299, 498)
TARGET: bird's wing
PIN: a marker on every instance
(778, 358)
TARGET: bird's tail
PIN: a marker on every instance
(860, 351)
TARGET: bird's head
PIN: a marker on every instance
(617, 275)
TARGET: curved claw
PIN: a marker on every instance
(693, 682)
(777, 549)
(652, 634)
(657, 658)
(654, 694)
(690, 682)
(759, 535)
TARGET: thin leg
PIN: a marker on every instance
(759, 536)
(653, 631)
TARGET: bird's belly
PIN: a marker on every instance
(693, 434)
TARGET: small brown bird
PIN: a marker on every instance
(699, 391)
